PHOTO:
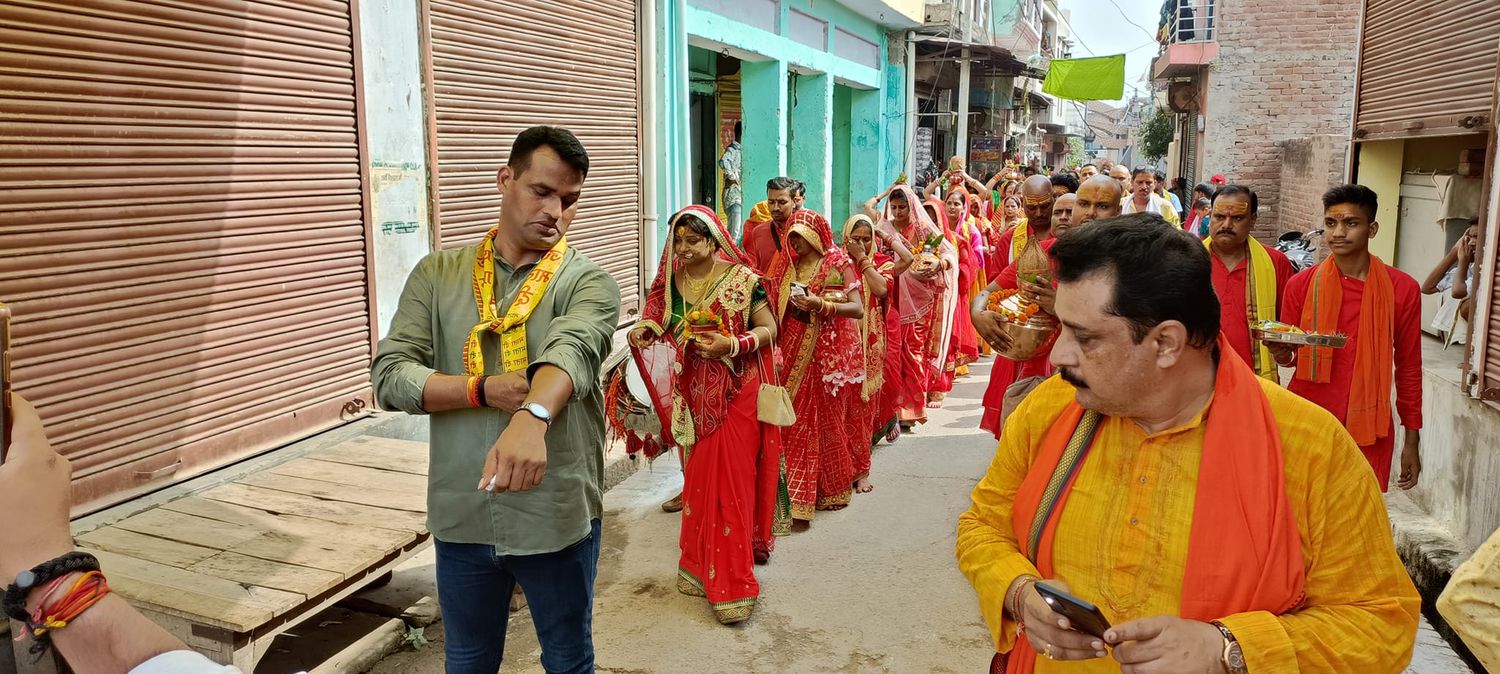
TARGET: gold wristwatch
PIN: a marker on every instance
(1233, 658)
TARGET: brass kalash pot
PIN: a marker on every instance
(1031, 330)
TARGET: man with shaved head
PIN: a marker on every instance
(1121, 176)
(1097, 198)
(1037, 200)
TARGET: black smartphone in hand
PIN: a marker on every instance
(1082, 616)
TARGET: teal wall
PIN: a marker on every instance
(868, 174)
(843, 133)
(872, 147)
(811, 160)
(763, 104)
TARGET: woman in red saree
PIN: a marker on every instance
(965, 237)
(871, 410)
(923, 295)
(820, 343)
(947, 334)
(705, 394)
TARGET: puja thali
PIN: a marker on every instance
(1276, 332)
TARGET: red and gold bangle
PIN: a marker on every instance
(745, 341)
(473, 391)
(829, 309)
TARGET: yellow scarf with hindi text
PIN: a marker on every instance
(1260, 303)
(1018, 239)
(512, 326)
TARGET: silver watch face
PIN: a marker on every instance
(1234, 657)
(539, 412)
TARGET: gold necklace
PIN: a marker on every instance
(696, 287)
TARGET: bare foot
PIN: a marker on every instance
(673, 504)
(863, 486)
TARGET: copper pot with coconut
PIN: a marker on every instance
(1031, 329)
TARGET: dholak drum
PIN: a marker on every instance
(635, 411)
(635, 383)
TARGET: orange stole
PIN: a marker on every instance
(1369, 411)
(1245, 553)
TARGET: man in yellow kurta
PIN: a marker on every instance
(1219, 522)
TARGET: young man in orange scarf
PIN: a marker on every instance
(1218, 522)
(1380, 309)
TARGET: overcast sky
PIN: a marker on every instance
(1100, 28)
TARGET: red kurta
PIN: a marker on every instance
(1229, 285)
(761, 245)
(1334, 395)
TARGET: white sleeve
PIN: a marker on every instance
(182, 662)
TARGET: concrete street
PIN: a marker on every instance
(873, 588)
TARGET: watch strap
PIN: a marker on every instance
(1233, 657)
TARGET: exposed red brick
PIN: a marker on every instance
(1285, 73)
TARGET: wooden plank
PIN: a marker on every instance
(141, 546)
(317, 508)
(383, 498)
(357, 476)
(303, 541)
(176, 526)
(306, 581)
(198, 597)
(383, 453)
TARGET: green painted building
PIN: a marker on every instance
(811, 81)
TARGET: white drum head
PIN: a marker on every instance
(635, 383)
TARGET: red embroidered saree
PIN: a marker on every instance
(824, 368)
(872, 407)
(731, 461)
(926, 310)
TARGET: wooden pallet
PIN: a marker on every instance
(229, 568)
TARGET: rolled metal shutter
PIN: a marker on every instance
(181, 230)
(501, 66)
(1427, 68)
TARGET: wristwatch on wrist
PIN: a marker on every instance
(536, 410)
(1233, 657)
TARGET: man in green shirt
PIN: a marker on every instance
(502, 343)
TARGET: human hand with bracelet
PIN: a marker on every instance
(1048, 631)
(102, 633)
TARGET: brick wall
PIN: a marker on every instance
(1308, 167)
(1285, 71)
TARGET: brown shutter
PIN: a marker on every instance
(1427, 68)
(181, 230)
(500, 66)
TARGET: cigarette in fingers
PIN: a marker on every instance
(491, 485)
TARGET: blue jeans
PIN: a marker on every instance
(474, 588)
(735, 222)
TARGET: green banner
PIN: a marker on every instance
(1101, 78)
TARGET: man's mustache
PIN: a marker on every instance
(1072, 378)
